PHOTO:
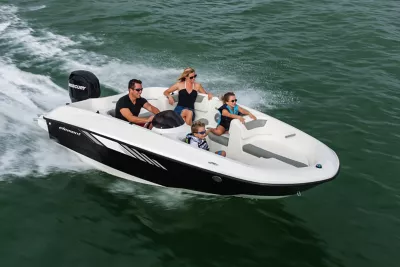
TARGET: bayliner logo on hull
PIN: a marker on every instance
(79, 87)
(69, 131)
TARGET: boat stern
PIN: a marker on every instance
(41, 121)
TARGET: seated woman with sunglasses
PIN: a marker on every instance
(229, 111)
(187, 92)
(198, 137)
(128, 107)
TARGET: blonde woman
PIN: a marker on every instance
(187, 88)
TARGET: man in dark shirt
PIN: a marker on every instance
(128, 107)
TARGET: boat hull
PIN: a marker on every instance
(136, 164)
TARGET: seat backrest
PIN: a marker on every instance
(250, 125)
(220, 139)
(205, 121)
(111, 112)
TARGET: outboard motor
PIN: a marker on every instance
(83, 85)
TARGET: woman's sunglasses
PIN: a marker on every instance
(234, 100)
(202, 132)
(192, 77)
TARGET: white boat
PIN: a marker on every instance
(266, 158)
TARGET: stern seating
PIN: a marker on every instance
(146, 113)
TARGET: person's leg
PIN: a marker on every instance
(187, 116)
(219, 130)
(193, 115)
(221, 152)
(178, 110)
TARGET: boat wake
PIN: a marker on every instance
(24, 149)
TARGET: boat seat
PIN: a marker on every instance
(205, 121)
(262, 153)
(111, 112)
(224, 139)
(250, 125)
(175, 97)
(199, 98)
(221, 139)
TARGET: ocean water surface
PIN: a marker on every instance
(329, 68)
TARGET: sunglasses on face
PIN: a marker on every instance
(192, 77)
(137, 89)
(202, 132)
(234, 100)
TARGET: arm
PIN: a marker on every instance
(246, 112)
(232, 116)
(151, 108)
(131, 118)
(203, 91)
(168, 92)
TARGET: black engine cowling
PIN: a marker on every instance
(167, 119)
(83, 85)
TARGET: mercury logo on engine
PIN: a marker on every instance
(79, 87)
(69, 131)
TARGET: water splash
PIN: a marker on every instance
(24, 147)
(35, 8)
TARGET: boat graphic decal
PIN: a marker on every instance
(92, 138)
(127, 151)
(143, 157)
(69, 131)
(122, 148)
(134, 153)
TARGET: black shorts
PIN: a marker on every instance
(226, 125)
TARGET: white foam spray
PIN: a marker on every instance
(24, 148)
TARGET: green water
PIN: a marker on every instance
(329, 68)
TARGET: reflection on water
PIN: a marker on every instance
(83, 218)
(205, 230)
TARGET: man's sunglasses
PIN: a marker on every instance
(138, 89)
(234, 100)
(192, 77)
(202, 132)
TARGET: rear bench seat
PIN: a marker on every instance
(111, 112)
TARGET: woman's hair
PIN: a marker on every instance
(196, 125)
(185, 73)
(225, 97)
